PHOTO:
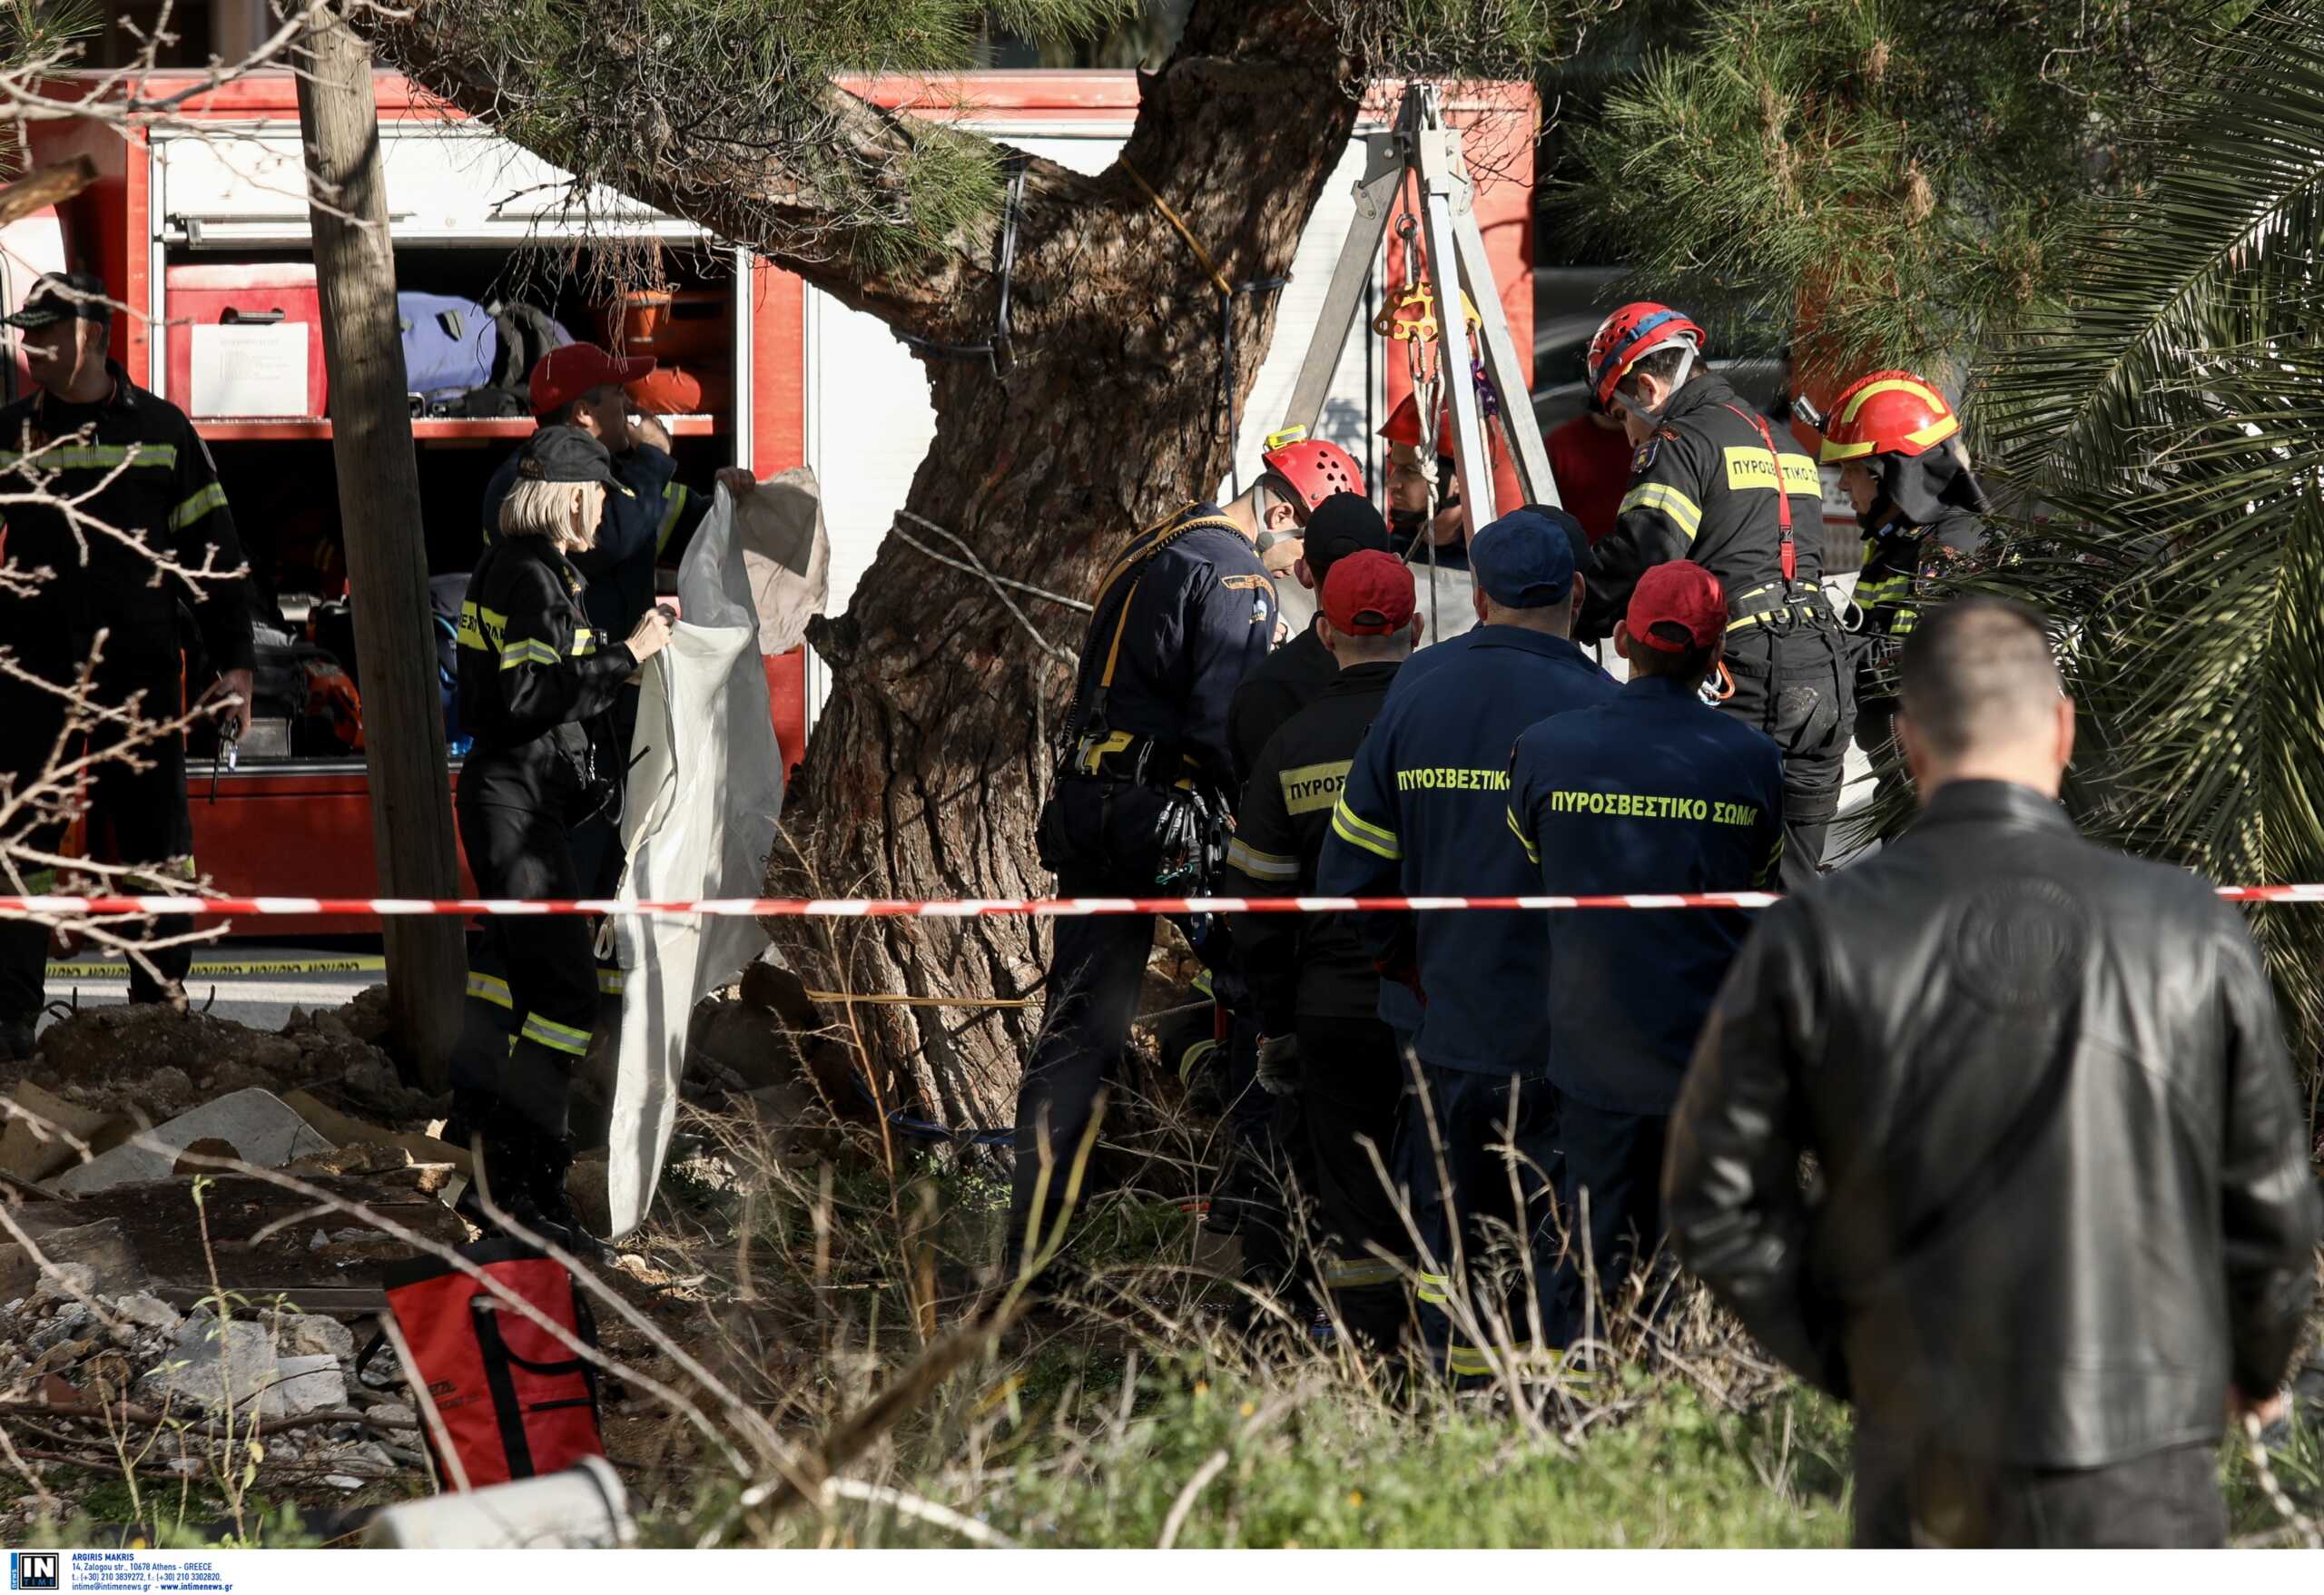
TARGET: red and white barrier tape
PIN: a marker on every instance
(905, 907)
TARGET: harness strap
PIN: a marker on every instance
(1783, 489)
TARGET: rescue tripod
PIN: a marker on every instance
(1421, 149)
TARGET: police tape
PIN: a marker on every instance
(859, 908)
(113, 968)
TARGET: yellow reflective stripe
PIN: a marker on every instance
(1436, 1289)
(212, 497)
(584, 642)
(1871, 391)
(550, 1034)
(677, 502)
(1803, 611)
(526, 651)
(1466, 1360)
(1358, 831)
(489, 989)
(95, 456)
(1834, 453)
(1354, 1273)
(1683, 512)
(1202, 982)
(1774, 866)
(173, 871)
(1934, 432)
(1260, 866)
(481, 627)
(1518, 830)
(611, 982)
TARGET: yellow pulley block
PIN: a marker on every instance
(1411, 315)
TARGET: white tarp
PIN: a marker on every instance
(704, 791)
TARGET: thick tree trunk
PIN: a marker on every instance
(930, 761)
(379, 501)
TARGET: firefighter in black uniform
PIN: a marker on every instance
(1314, 992)
(1897, 443)
(1143, 793)
(1710, 482)
(131, 462)
(1295, 675)
(536, 681)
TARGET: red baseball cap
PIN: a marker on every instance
(564, 375)
(1368, 594)
(1679, 593)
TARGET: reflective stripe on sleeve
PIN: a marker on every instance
(677, 498)
(489, 989)
(610, 982)
(1682, 511)
(1524, 841)
(1260, 866)
(1358, 831)
(555, 1036)
(526, 651)
(212, 497)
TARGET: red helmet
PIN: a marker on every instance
(1315, 470)
(1887, 412)
(1403, 424)
(1628, 335)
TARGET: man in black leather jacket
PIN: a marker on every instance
(2062, 1218)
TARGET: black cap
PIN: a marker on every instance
(1342, 525)
(64, 296)
(565, 454)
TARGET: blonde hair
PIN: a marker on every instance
(535, 508)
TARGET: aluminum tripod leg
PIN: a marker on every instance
(1470, 456)
(1532, 459)
(1383, 174)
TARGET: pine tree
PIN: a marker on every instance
(1883, 182)
(927, 766)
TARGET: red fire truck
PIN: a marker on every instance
(202, 228)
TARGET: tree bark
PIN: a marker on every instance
(387, 563)
(932, 758)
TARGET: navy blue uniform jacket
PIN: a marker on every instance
(1191, 622)
(1425, 813)
(1652, 790)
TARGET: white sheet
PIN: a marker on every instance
(705, 792)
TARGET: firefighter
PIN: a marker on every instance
(1710, 482)
(536, 684)
(130, 463)
(1652, 790)
(1243, 1201)
(583, 387)
(1897, 443)
(1314, 994)
(1424, 813)
(1141, 801)
(1291, 677)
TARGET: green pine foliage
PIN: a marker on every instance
(608, 89)
(2166, 414)
(1900, 170)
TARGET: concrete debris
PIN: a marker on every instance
(255, 1123)
(211, 1363)
(311, 1335)
(34, 1152)
(148, 1312)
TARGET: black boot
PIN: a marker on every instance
(525, 1171)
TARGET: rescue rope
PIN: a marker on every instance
(905, 999)
(860, 907)
(1227, 292)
